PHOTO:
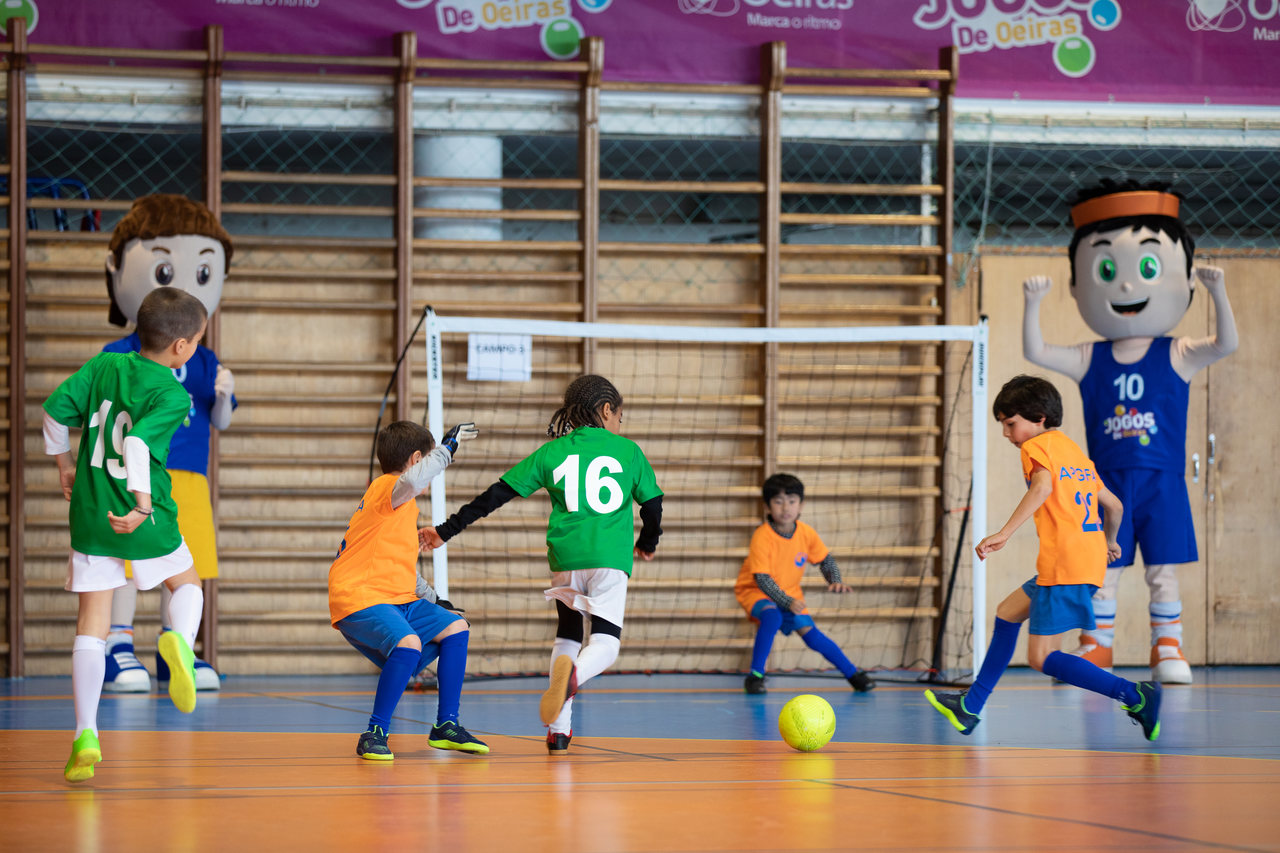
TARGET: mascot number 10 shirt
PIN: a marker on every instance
(1073, 548)
(592, 477)
(1135, 415)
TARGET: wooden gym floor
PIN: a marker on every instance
(670, 763)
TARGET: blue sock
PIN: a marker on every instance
(999, 653)
(401, 665)
(825, 646)
(770, 621)
(449, 674)
(1079, 672)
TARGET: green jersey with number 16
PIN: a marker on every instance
(113, 396)
(592, 477)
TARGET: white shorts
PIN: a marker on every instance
(91, 573)
(600, 592)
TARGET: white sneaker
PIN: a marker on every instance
(125, 673)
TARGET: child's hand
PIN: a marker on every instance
(1113, 551)
(428, 539)
(839, 587)
(66, 477)
(797, 606)
(126, 523)
(644, 555)
(994, 542)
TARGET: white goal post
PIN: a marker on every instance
(438, 326)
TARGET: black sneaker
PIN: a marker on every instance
(951, 706)
(754, 684)
(1147, 712)
(373, 745)
(558, 741)
(451, 735)
(862, 682)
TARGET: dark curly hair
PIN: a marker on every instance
(583, 400)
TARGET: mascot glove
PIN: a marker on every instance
(224, 384)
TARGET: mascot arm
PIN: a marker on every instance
(1072, 361)
(224, 387)
(1191, 355)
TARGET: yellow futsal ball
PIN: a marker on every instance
(807, 722)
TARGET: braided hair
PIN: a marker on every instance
(583, 400)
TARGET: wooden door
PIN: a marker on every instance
(1242, 487)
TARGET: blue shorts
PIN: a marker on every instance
(376, 631)
(1055, 609)
(790, 621)
(1157, 516)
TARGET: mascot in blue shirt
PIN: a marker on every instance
(1132, 279)
(171, 241)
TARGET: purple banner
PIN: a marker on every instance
(1178, 51)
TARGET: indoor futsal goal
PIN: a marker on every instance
(885, 425)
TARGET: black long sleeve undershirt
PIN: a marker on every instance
(492, 498)
(650, 525)
(500, 493)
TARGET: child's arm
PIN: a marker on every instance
(417, 479)
(650, 528)
(1112, 512)
(137, 465)
(831, 574)
(1038, 491)
(57, 443)
(430, 538)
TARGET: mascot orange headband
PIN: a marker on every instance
(1123, 205)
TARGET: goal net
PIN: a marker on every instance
(884, 425)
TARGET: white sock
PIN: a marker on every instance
(598, 655)
(185, 610)
(563, 724)
(166, 597)
(88, 668)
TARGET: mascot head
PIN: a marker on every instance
(1130, 260)
(166, 241)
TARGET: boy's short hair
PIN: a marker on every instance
(397, 442)
(168, 314)
(782, 484)
(1031, 397)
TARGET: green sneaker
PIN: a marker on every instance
(85, 752)
(182, 675)
(450, 735)
(373, 745)
(951, 706)
(1147, 712)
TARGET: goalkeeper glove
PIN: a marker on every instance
(462, 432)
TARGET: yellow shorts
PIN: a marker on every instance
(195, 521)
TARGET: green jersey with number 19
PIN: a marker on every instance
(113, 396)
(592, 477)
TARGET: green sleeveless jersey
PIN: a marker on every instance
(592, 477)
(113, 396)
